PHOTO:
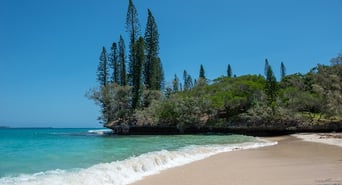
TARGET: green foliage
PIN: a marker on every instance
(202, 72)
(266, 67)
(188, 83)
(282, 70)
(201, 105)
(296, 80)
(102, 69)
(229, 71)
(202, 79)
(327, 84)
(188, 112)
(271, 86)
(132, 22)
(114, 101)
(250, 100)
(157, 74)
(175, 84)
(122, 62)
(112, 74)
(153, 70)
(183, 112)
(139, 57)
(114, 63)
(151, 102)
(337, 60)
(133, 29)
(236, 95)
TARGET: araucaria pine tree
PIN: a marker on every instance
(139, 57)
(133, 29)
(175, 84)
(202, 79)
(152, 62)
(157, 77)
(102, 69)
(102, 77)
(229, 71)
(114, 63)
(202, 73)
(282, 70)
(185, 78)
(270, 86)
(266, 67)
(188, 84)
(122, 62)
(122, 76)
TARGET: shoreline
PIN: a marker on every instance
(291, 161)
(132, 168)
(325, 138)
(249, 131)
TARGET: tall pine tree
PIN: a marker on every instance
(202, 72)
(229, 71)
(122, 62)
(157, 75)
(102, 77)
(152, 49)
(114, 63)
(270, 86)
(102, 69)
(202, 79)
(267, 65)
(185, 78)
(175, 84)
(188, 83)
(139, 57)
(133, 29)
(282, 70)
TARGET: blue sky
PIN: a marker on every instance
(49, 49)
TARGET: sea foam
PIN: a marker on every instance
(101, 131)
(129, 170)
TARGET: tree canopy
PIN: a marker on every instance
(137, 96)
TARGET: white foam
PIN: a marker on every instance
(129, 170)
(101, 131)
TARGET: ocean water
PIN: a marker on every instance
(77, 156)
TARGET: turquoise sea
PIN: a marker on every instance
(79, 156)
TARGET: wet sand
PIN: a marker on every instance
(291, 162)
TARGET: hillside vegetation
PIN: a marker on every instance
(132, 91)
(298, 100)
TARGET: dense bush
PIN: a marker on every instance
(298, 100)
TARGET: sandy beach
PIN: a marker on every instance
(292, 161)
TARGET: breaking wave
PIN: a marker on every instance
(129, 170)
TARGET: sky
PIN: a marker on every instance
(49, 49)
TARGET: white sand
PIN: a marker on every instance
(325, 138)
(291, 162)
